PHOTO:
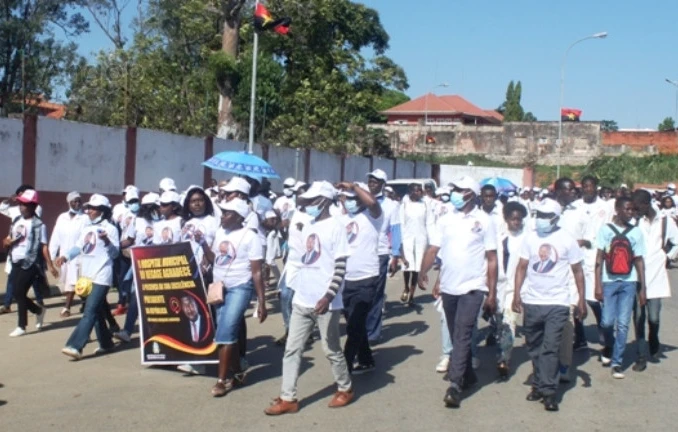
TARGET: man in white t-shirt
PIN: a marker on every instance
(363, 223)
(467, 245)
(545, 299)
(285, 204)
(317, 300)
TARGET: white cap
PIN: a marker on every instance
(237, 205)
(623, 186)
(131, 192)
(320, 189)
(511, 193)
(671, 186)
(378, 174)
(98, 200)
(169, 197)
(536, 189)
(167, 184)
(237, 184)
(466, 182)
(298, 185)
(350, 193)
(388, 189)
(71, 196)
(128, 187)
(548, 205)
(442, 191)
(270, 214)
(289, 182)
(150, 198)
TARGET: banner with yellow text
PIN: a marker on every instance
(175, 321)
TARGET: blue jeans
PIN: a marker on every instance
(93, 317)
(124, 284)
(618, 298)
(286, 296)
(374, 316)
(132, 312)
(230, 313)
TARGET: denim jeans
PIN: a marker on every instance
(231, 312)
(617, 308)
(124, 285)
(358, 297)
(302, 322)
(132, 312)
(649, 312)
(375, 315)
(22, 279)
(286, 297)
(93, 317)
(543, 327)
(9, 293)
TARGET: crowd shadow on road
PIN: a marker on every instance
(392, 331)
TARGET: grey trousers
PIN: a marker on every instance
(543, 326)
(302, 322)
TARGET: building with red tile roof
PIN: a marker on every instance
(440, 110)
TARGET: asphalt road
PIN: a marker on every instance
(44, 391)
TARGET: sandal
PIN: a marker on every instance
(410, 299)
(65, 313)
(239, 379)
(404, 296)
(222, 387)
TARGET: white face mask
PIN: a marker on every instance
(288, 192)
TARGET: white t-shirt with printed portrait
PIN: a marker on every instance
(285, 206)
(141, 231)
(549, 268)
(233, 252)
(207, 225)
(167, 231)
(21, 229)
(296, 245)
(362, 234)
(95, 262)
(463, 240)
(324, 242)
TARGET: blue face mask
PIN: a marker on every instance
(155, 216)
(75, 212)
(134, 207)
(457, 200)
(313, 211)
(352, 206)
(544, 226)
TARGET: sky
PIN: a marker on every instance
(477, 47)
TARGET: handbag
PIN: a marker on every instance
(83, 286)
(215, 293)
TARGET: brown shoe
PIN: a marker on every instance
(4, 309)
(341, 399)
(279, 407)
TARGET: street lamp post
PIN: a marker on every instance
(675, 84)
(426, 101)
(559, 143)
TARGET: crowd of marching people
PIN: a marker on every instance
(550, 255)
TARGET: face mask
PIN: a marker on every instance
(457, 200)
(544, 226)
(445, 198)
(97, 220)
(288, 192)
(313, 211)
(352, 206)
(155, 216)
(75, 212)
(134, 207)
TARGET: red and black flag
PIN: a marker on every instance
(264, 21)
(570, 114)
(430, 139)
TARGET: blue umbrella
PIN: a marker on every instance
(241, 163)
(501, 184)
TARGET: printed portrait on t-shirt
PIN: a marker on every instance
(312, 250)
(166, 235)
(352, 231)
(189, 230)
(20, 233)
(148, 239)
(477, 227)
(285, 211)
(226, 254)
(90, 242)
(547, 259)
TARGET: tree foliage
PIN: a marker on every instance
(609, 126)
(30, 39)
(511, 108)
(668, 124)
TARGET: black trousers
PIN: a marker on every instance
(358, 297)
(23, 279)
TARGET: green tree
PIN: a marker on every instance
(388, 99)
(33, 61)
(511, 108)
(668, 124)
(529, 117)
(609, 126)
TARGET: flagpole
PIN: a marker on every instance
(253, 92)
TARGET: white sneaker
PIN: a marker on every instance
(17, 332)
(617, 372)
(192, 369)
(123, 336)
(72, 353)
(606, 361)
(443, 364)
(475, 363)
(40, 318)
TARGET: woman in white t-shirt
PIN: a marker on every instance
(237, 255)
(168, 229)
(96, 249)
(27, 240)
(198, 216)
(416, 217)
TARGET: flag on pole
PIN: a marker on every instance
(264, 21)
(430, 139)
(570, 114)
